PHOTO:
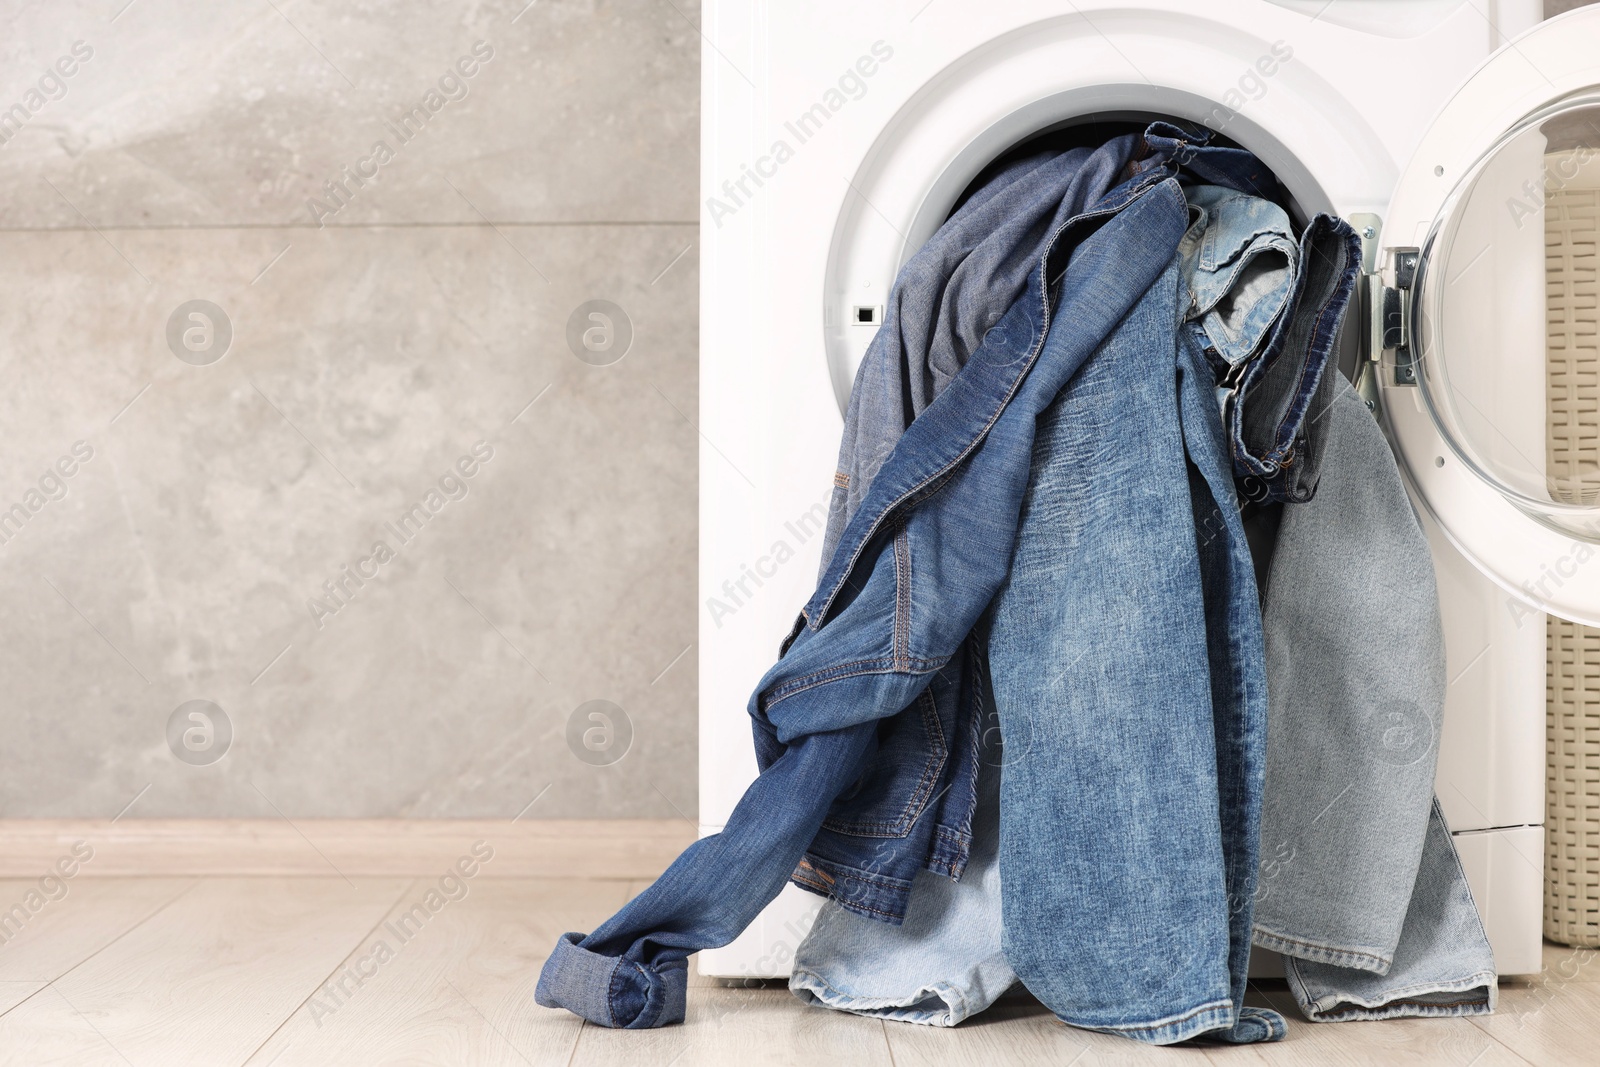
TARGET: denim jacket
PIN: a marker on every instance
(914, 568)
(911, 806)
(951, 292)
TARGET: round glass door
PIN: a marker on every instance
(1505, 322)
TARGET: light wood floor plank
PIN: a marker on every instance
(1019, 1031)
(217, 970)
(457, 988)
(1563, 963)
(14, 993)
(203, 981)
(1547, 1022)
(65, 932)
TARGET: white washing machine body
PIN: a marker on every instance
(836, 138)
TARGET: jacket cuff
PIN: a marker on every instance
(610, 990)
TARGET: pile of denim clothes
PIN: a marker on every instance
(1124, 609)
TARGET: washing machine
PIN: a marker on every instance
(1457, 136)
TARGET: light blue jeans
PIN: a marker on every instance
(1240, 260)
(943, 964)
(1360, 886)
(1442, 964)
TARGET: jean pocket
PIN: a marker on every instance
(900, 779)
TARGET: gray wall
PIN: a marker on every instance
(367, 356)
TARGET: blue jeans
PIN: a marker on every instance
(1127, 659)
(1274, 412)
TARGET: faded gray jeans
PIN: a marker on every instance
(1360, 887)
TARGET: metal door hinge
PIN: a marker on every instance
(1385, 310)
(1393, 321)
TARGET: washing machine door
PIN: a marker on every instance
(1487, 319)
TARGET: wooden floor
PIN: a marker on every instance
(222, 969)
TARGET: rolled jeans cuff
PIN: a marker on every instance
(610, 990)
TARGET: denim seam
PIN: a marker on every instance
(1171, 1024)
(1406, 1009)
(1460, 985)
(1243, 251)
(846, 873)
(952, 845)
(1346, 1008)
(1281, 447)
(933, 769)
(824, 883)
(902, 597)
(1036, 346)
(937, 476)
(930, 489)
(794, 632)
(960, 847)
(1461, 877)
(840, 671)
(1231, 270)
(619, 977)
(1266, 466)
(1320, 339)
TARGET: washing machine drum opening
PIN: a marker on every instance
(1504, 329)
(1091, 131)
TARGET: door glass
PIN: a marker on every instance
(1506, 293)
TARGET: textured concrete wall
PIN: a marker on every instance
(269, 378)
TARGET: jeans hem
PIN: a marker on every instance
(612, 991)
(807, 985)
(1353, 958)
(1170, 1029)
(1479, 994)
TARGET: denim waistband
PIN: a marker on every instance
(1273, 414)
(1240, 262)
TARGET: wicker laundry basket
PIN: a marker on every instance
(1572, 718)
